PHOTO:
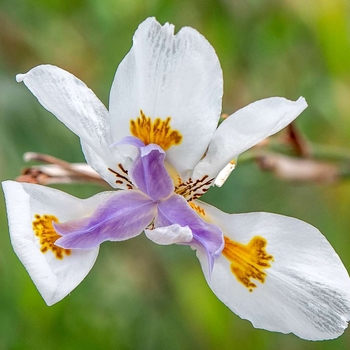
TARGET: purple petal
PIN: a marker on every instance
(121, 217)
(129, 140)
(149, 174)
(175, 210)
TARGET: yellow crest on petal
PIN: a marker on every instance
(157, 131)
(248, 261)
(200, 211)
(42, 226)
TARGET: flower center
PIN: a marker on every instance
(157, 131)
(191, 189)
(42, 226)
(248, 261)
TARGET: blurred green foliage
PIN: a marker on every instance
(139, 295)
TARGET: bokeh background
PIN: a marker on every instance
(139, 295)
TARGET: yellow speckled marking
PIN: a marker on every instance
(42, 226)
(248, 261)
(200, 211)
(157, 131)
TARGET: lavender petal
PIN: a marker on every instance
(149, 174)
(119, 218)
(129, 140)
(175, 210)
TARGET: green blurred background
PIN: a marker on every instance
(139, 295)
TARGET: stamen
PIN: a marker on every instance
(157, 131)
(42, 226)
(248, 261)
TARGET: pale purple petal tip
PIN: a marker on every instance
(129, 140)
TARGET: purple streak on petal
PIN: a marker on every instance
(121, 217)
(149, 174)
(175, 210)
(129, 140)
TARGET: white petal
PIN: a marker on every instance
(307, 288)
(170, 234)
(74, 104)
(244, 129)
(169, 75)
(54, 278)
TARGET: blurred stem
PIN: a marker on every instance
(293, 158)
(330, 153)
(317, 152)
(57, 171)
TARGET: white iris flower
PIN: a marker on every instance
(159, 144)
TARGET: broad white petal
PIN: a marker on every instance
(74, 104)
(307, 288)
(167, 75)
(244, 129)
(54, 278)
(170, 234)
